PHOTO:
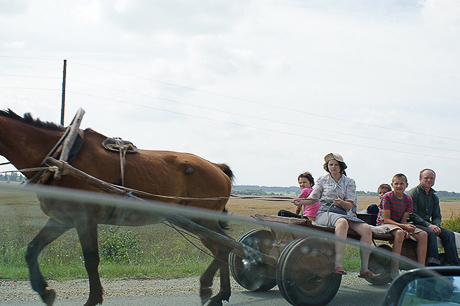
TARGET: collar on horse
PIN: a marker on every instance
(66, 149)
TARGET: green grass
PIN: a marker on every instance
(154, 251)
(128, 252)
(352, 259)
(452, 224)
(157, 251)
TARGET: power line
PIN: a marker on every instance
(30, 58)
(242, 99)
(267, 120)
(27, 88)
(271, 105)
(264, 129)
(29, 76)
(234, 98)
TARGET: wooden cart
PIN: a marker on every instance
(304, 263)
(260, 259)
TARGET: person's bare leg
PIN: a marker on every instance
(397, 248)
(341, 231)
(364, 230)
(422, 241)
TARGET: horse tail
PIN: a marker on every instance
(223, 223)
(226, 169)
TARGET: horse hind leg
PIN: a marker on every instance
(47, 234)
(220, 262)
(225, 290)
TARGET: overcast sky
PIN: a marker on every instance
(268, 87)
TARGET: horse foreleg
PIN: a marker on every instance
(87, 233)
(220, 262)
(47, 234)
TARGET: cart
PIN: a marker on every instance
(304, 263)
(261, 259)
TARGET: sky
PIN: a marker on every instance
(268, 87)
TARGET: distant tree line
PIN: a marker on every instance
(12, 177)
(445, 196)
(258, 192)
(366, 193)
(269, 190)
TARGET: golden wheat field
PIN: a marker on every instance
(271, 205)
(17, 208)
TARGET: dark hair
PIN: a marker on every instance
(342, 165)
(308, 176)
(384, 186)
(400, 176)
(427, 169)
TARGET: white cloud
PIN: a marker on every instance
(180, 17)
(88, 13)
(269, 87)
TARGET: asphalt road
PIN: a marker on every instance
(351, 295)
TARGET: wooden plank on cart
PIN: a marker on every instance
(309, 224)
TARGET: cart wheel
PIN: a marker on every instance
(379, 263)
(304, 272)
(248, 272)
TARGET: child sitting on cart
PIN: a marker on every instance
(306, 183)
(337, 194)
(395, 207)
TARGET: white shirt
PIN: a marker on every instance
(327, 189)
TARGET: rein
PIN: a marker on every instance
(139, 192)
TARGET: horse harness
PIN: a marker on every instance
(70, 144)
(117, 144)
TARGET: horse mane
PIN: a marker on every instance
(28, 119)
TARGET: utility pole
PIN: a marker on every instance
(64, 74)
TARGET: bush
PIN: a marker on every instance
(452, 224)
(119, 247)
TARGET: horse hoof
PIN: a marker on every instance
(90, 302)
(214, 303)
(205, 294)
(48, 297)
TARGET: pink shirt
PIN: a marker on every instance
(309, 210)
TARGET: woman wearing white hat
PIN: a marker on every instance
(337, 194)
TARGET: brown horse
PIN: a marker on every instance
(25, 142)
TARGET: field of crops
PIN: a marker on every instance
(135, 252)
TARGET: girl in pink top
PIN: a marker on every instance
(306, 183)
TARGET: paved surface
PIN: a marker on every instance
(348, 295)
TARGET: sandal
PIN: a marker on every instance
(369, 275)
(339, 270)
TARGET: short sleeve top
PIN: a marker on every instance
(397, 207)
(327, 189)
